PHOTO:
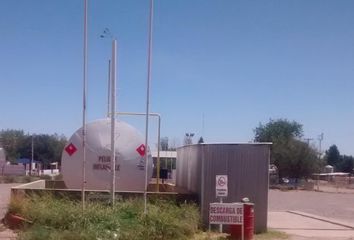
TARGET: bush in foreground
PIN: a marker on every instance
(63, 219)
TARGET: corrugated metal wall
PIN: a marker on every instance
(246, 165)
(190, 177)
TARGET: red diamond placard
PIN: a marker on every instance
(141, 150)
(70, 149)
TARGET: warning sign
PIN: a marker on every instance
(226, 213)
(141, 150)
(221, 186)
(71, 149)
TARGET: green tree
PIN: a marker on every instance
(278, 130)
(333, 157)
(346, 164)
(292, 157)
(201, 140)
(11, 140)
(295, 159)
(47, 148)
(341, 163)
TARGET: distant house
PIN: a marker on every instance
(26, 163)
(7, 169)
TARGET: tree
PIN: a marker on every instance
(346, 164)
(341, 163)
(278, 130)
(201, 140)
(333, 157)
(11, 140)
(292, 157)
(295, 159)
(47, 148)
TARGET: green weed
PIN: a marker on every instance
(63, 219)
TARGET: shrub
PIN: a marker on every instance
(63, 219)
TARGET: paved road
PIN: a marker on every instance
(312, 215)
(330, 205)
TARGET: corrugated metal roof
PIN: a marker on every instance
(229, 143)
(26, 161)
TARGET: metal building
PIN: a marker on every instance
(247, 167)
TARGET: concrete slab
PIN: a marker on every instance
(5, 190)
(311, 227)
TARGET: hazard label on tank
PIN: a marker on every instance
(70, 149)
(141, 150)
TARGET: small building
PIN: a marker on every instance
(167, 162)
(26, 163)
(245, 164)
(8, 169)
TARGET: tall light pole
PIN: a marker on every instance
(112, 75)
(113, 118)
(189, 137)
(109, 87)
(149, 60)
(84, 96)
(107, 34)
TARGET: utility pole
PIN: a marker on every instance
(308, 140)
(320, 139)
(32, 157)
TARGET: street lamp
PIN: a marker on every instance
(188, 139)
(112, 81)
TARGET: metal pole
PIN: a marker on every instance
(220, 226)
(32, 149)
(109, 87)
(148, 102)
(243, 223)
(113, 119)
(84, 109)
(158, 157)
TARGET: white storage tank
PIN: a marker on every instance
(329, 169)
(130, 160)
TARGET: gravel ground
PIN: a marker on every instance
(330, 205)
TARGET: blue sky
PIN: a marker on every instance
(237, 63)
